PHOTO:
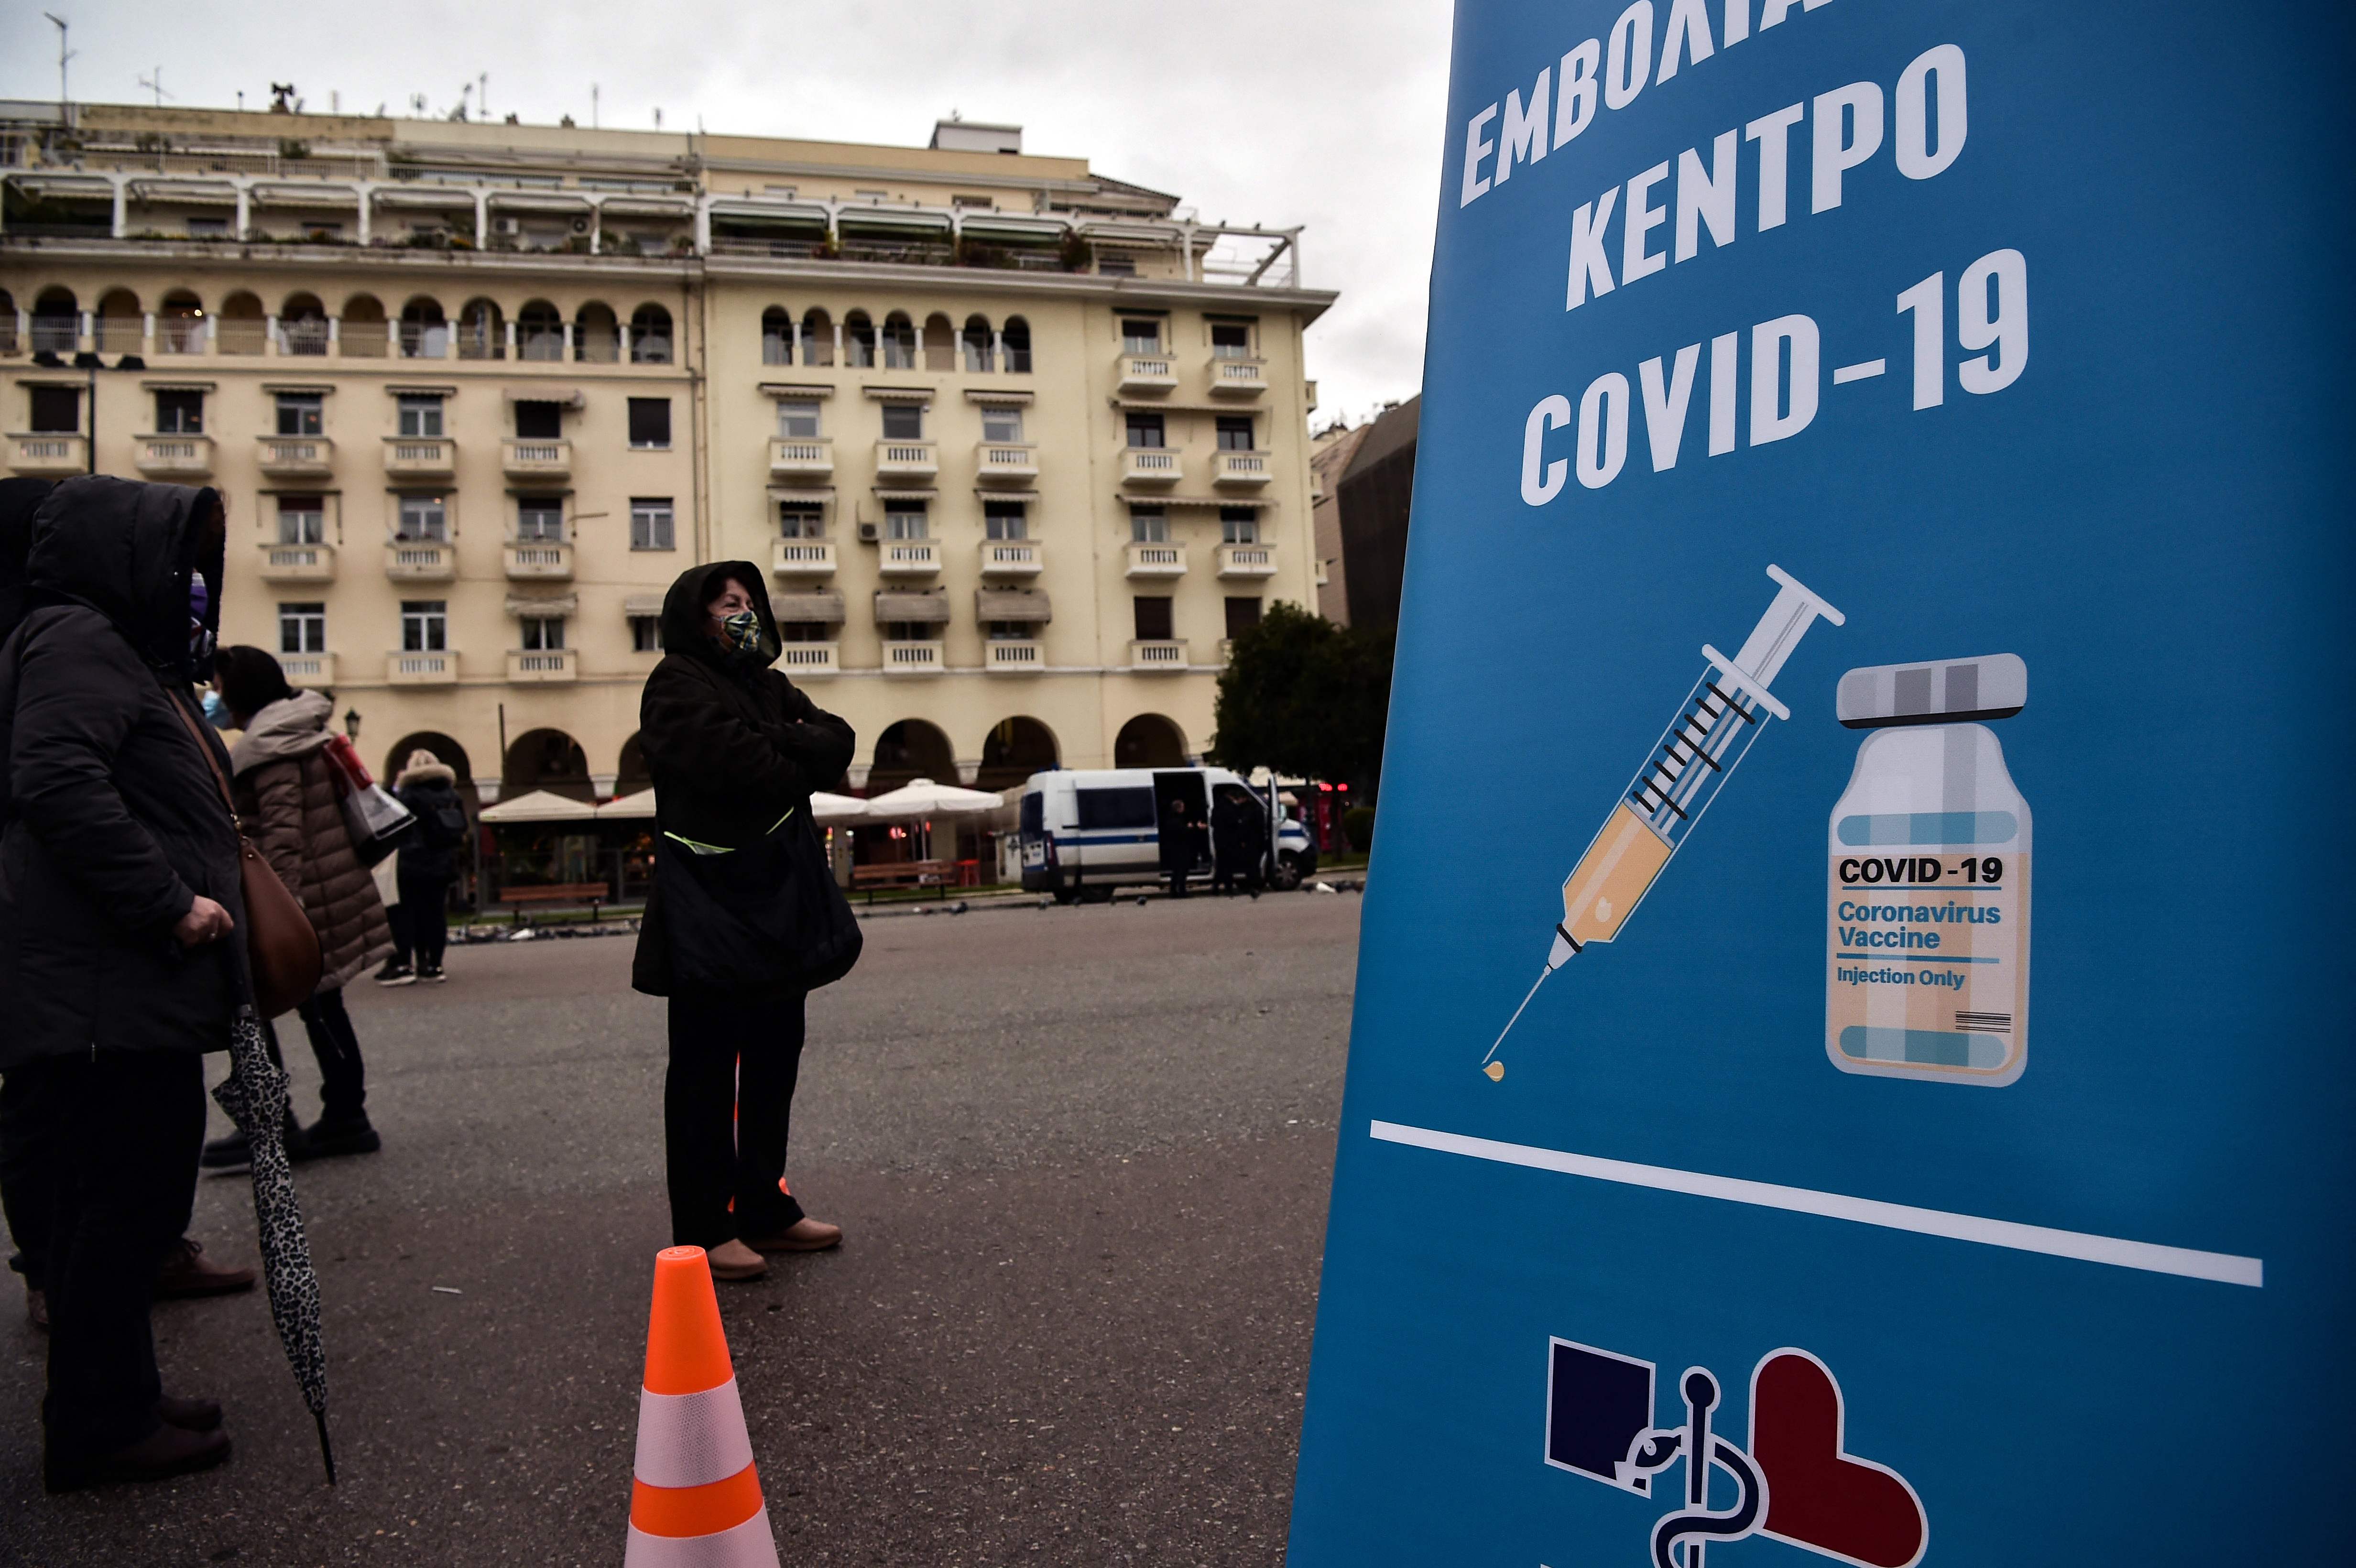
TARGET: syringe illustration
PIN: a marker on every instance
(1696, 755)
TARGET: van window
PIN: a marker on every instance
(1034, 813)
(1115, 807)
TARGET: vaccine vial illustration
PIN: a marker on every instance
(1926, 961)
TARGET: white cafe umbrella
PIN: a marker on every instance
(923, 797)
(639, 805)
(540, 805)
(826, 808)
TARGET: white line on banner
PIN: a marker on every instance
(2225, 1268)
(1862, 371)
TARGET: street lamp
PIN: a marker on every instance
(351, 723)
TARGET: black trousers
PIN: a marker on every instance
(110, 1140)
(343, 1078)
(728, 1102)
(425, 902)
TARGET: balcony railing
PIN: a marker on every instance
(538, 560)
(48, 456)
(1157, 560)
(240, 335)
(536, 459)
(57, 334)
(297, 562)
(1164, 655)
(907, 459)
(1238, 378)
(801, 457)
(179, 335)
(1244, 468)
(800, 659)
(909, 558)
(801, 557)
(295, 456)
(533, 666)
(1150, 466)
(1011, 558)
(1148, 372)
(1247, 560)
(420, 561)
(998, 463)
(303, 337)
(421, 669)
(912, 658)
(1010, 655)
(420, 457)
(309, 670)
(174, 456)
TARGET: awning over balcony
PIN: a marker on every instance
(649, 207)
(1010, 604)
(306, 195)
(1020, 231)
(538, 201)
(1157, 503)
(818, 605)
(539, 608)
(929, 607)
(898, 221)
(884, 493)
(642, 604)
(439, 197)
(185, 193)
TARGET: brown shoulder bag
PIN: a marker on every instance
(281, 948)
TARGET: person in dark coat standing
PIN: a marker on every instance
(1238, 840)
(122, 960)
(735, 751)
(428, 786)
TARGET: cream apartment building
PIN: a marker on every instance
(1018, 446)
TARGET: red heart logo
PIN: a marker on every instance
(1818, 1496)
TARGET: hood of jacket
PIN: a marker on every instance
(19, 499)
(293, 726)
(429, 772)
(127, 551)
(683, 619)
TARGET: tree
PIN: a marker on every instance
(1305, 697)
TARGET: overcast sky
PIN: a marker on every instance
(1326, 114)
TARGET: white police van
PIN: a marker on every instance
(1085, 831)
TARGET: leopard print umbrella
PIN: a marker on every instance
(254, 1096)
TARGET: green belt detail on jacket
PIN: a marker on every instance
(695, 846)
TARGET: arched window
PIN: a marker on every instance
(650, 336)
(1018, 345)
(818, 339)
(596, 336)
(978, 356)
(482, 331)
(858, 339)
(444, 750)
(899, 342)
(940, 343)
(57, 322)
(119, 324)
(361, 334)
(633, 774)
(1149, 741)
(242, 326)
(549, 760)
(424, 331)
(302, 325)
(540, 332)
(912, 749)
(776, 336)
(180, 324)
(1015, 749)
(7, 321)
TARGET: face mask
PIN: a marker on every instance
(744, 629)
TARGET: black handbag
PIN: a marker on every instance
(765, 914)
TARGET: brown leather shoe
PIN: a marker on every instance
(190, 1414)
(187, 1272)
(806, 1235)
(734, 1260)
(164, 1451)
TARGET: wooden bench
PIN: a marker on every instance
(593, 894)
(901, 874)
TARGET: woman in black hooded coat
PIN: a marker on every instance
(745, 918)
(118, 902)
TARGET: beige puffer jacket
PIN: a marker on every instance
(287, 795)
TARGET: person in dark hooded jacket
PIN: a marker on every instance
(121, 961)
(735, 751)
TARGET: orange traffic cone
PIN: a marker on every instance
(694, 1500)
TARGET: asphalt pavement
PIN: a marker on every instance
(1081, 1158)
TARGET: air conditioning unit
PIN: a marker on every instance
(507, 226)
(581, 226)
(869, 533)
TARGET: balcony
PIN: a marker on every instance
(1238, 378)
(1158, 655)
(996, 463)
(537, 459)
(1009, 655)
(801, 458)
(1011, 558)
(907, 459)
(48, 456)
(420, 457)
(801, 557)
(1148, 373)
(420, 561)
(174, 456)
(538, 560)
(1241, 468)
(1247, 560)
(309, 670)
(1157, 560)
(909, 558)
(422, 669)
(913, 658)
(298, 563)
(531, 667)
(295, 456)
(802, 660)
(1149, 466)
